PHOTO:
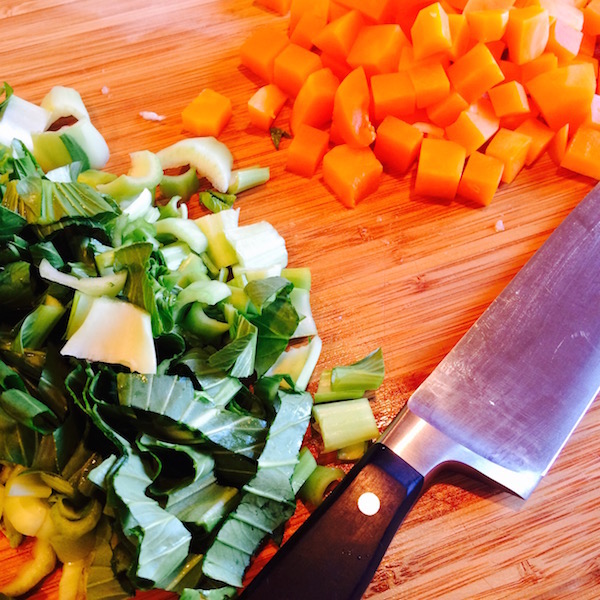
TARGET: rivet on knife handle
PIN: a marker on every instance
(336, 552)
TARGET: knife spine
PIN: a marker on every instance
(429, 451)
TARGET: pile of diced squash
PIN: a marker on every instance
(469, 91)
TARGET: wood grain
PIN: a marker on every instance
(399, 271)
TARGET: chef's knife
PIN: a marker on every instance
(501, 404)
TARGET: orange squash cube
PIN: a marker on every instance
(439, 168)
(446, 111)
(564, 95)
(307, 29)
(540, 135)
(392, 94)
(298, 8)
(591, 18)
(460, 35)
(264, 105)
(558, 144)
(340, 68)
(207, 114)
(487, 25)
(474, 73)
(510, 147)
(545, 62)
(377, 48)
(292, 66)
(375, 11)
(481, 178)
(259, 50)
(306, 150)
(564, 41)
(474, 126)
(397, 144)
(509, 99)
(351, 173)
(314, 103)
(431, 84)
(582, 153)
(510, 71)
(430, 32)
(527, 33)
(338, 36)
(350, 117)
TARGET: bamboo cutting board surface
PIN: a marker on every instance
(402, 272)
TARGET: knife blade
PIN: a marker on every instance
(501, 405)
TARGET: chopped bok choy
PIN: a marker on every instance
(152, 366)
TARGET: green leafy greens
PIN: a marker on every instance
(192, 462)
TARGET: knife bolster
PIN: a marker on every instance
(428, 450)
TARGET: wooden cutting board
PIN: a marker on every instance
(400, 271)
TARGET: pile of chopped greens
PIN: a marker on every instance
(151, 407)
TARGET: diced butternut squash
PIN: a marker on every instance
(340, 68)
(292, 66)
(510, 147)
(376, 11)
(588, 44)
(497, 48)
(474, 73)
(509, 99)
(351, 173)
(392, 94)
(481, 178)
(594, 120)
(431, 84)
(558, 144)
(306, 150)
(564, 41)
(377, 48)
(567, 11)
(207, 114)
(457, 4)
(338, 36)
(545, 62)
(591, 18)
(460, 35)
(430, 33)
(510, 71)
(474, 126)
(564, 95)
(336, 10)
(314, 103)
(298, 8)
(429, 129)
(264, 105)
(446, 111)
(439, 168)
(281, 7)
(475, 5)
(527, 33)
(541, 136)
(259, 50)
(307, 29)
(408, 60)
(583, 151)
(487, 25)
(397, 144)
(592, 60)
(351, 110)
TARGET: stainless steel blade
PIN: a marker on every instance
(506, 398)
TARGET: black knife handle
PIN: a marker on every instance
(335, 553)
